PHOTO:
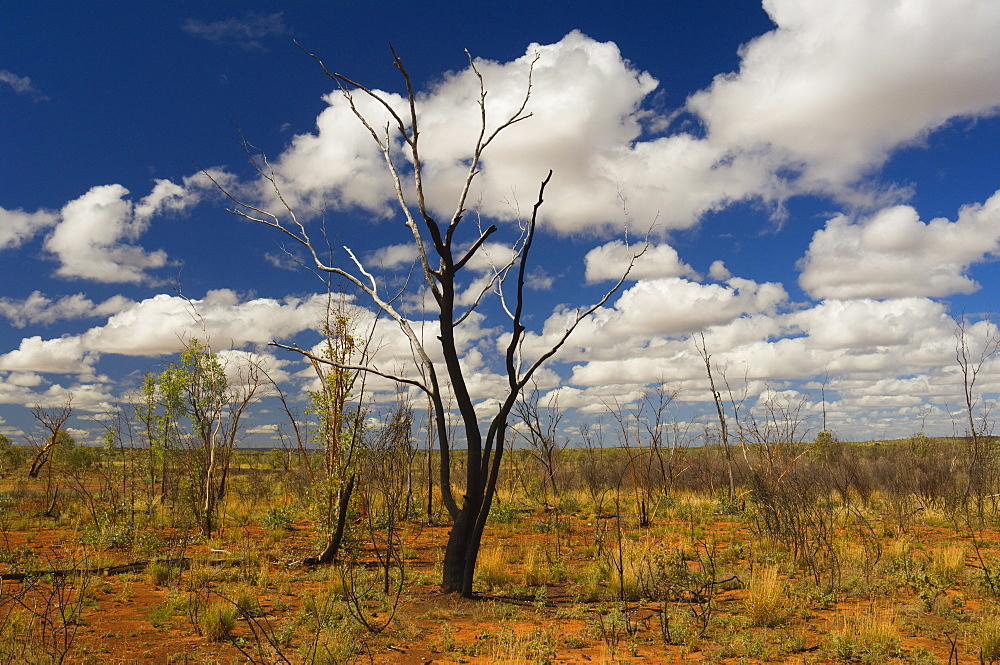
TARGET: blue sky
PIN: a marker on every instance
(820, 182)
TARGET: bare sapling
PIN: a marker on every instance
(385, 459)
(973, 352)
(541, 433)
(53, 422)
(644, 432)
(720, 410)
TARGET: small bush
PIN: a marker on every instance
(503, 513)
(278, 518)
(246, 601)
(106, 535)
(12, 457)
(158, 573)
(589, 582)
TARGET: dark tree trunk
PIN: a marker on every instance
(329, 555)
(460, 556)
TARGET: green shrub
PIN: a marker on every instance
(158, 573)
(503, 513)
(278, 518)
(12, 457)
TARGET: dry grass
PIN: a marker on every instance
(987, 637)
(764, 600)
(948, 563)
(871, 636)
(543, 589)
(534, 569)
(628, 568)
(492, 569)
(217, 621)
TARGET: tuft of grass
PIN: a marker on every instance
(535, 648)
(158, 573)
(492, 569)
(988, 639)
(626, 568)
(534, 569)
(590, 581)
(245, 600)
(869, 638)
(948, 564)
(764, 599)
(217, 621)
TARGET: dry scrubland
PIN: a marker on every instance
(828, 552)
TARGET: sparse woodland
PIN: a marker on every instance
(418, 529)
(851, 552)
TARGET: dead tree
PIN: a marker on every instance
(972, 355)
(541, 425)
(720, 409)
(444, 248)
(53, 422)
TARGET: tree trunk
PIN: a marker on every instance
(41, 458)
(466, 535)
(463, 549)
(329, 555)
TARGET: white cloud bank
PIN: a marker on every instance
(162, 324)
(587, 125)
(94, 237)
(817, 103)
(609, 261)
(39, 308)
(892, 254)
(838, 85)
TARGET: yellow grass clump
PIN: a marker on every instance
(764, 599)
(492, 569)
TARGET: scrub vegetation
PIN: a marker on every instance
(600, 550)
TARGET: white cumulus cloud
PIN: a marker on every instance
(838, 85)
(893, 254)
(162, 324)
(18, 226)
(609, 261)
(587, 124)
(91, 240)
(818, 102)
(39, 308)
(95, 235)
